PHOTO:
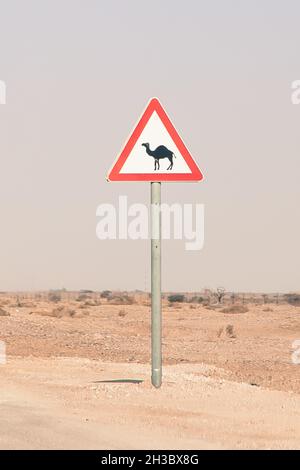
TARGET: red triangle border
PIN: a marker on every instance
(115, 175)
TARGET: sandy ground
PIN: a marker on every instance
(220, 390)
(59, 403)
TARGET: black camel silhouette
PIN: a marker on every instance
(159, 153)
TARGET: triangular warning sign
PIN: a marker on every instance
(155, 151)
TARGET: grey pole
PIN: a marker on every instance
(156, 323)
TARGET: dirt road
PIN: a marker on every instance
(60, 403)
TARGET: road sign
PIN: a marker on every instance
(155, 151)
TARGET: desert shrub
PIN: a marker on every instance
(122, 313)
(83, 306)
(121, 300)
(54, 297)
(63, 312)
(220, 332)
(197, 299)
(230, 331)
(42, 312)
(235, 309)
(92, 303)
(82, 298)
(60, 312)
(105, 294)
(293, 299)
(176, 298)
(4, 313)
(213, 307)
(176, 305)
(265, 298)
(26, 305)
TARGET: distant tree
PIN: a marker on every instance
(219, 294)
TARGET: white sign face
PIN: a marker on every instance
(155, 152)
(155, 133)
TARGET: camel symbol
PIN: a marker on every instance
(159, 153)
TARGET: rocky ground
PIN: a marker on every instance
(229, 380)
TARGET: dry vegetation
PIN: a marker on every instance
(228, 377)
(3, 313)
(249, 339)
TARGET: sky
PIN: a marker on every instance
(79, 74)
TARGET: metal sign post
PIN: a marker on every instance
(156, 321)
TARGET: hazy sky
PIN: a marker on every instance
(78, 75)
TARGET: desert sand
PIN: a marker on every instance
(78, 377)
